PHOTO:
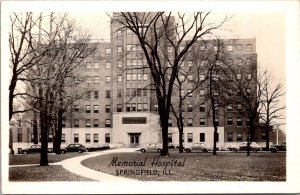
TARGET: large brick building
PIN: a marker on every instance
(120, 110)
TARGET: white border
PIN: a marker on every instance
(291, 10)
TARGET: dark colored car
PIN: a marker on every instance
(253, 147)
(152, 148)
(278, 147)
(198, 147)
(74, 148)
(35, 148)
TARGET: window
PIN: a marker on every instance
(155, 108)
(239, 122)
(76, 108)
(88, 65)
(19, 137)
(96, 65)
(239, 62)
(63, 138)
(131, 48)
(190, 122)
(216, 106)
(96, 80)
(120, 50)
(119, 79)
(119, 33)
(145, 106)
(128, 76)
(145, 92)
(96, 123)
(190, 63)
(190, 108)
(127, 107)
(31, 137)
(230, 92)
(96, 109)
(239, 76)
(87, 138)
(107, 79)
(229, 107)
(202, 137)
(229, 121)
(190, 93)
(202, 108)
(170, 50)
(107, 108)
(119, 107)
(170, 137)
(170, 122)
(88, 95)
(248, 61)
(145, 77)
(107, 65)
(134, 76)
(202, 121)
(201, 92)
(107, 138)
(119, 64)
(190, 137)
(96, 94)
(107, 93)
(263, 136)
(202, 47)
(248, 91)
(249, 48)
(134, 120)
(239, 106)
(217, 121)
(247, 122)
(239, 137)
(229, 48)
(216, 93)
(88, 123)
(88, 109)
(88, 80)
(139, 107)
(50, 138)
(96, 137)
(76, 138)
(239, 47)
(76, 122)
(108, 51)
(202, 77)
(229, 137)
(249, 76)
(107, 123)
(133, 107)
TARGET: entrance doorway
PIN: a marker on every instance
(134, 139)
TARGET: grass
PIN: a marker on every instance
(43, 173)
(201, 166)
(35, 158)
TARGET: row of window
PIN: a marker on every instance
(139, 107)
(95, 138)
(88, 123)
(136, 92)
(190, 137)
(239, 122)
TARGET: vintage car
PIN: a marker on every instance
(35, 148)
(197, 147)
(243, 147)
(278, 147)
(74, 148)
(152, 148)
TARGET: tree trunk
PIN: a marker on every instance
(44, 132)
(180, 129)
(35, 131)
(58, 132)
(215, 140)
(164, 132)
(267, 137)
(11, 95)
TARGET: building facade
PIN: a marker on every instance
(120, 110)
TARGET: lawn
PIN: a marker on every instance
(43, 173)
(197, 166)
(35, 158)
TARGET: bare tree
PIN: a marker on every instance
(271, 107)
(156, 32)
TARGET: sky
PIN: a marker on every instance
(268, 28)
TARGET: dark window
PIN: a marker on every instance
(88, 109)
(87, 138)
(107, 123)
(263, 136)
(239, 137)
(133, 107)
(170, 137)
(239, 122)
(76, 122)
(190, 108)
(119, 107)
(202, 121)
(63, 123)
(88, 123)
(229, 121)
(202, 137)
(216, 121)
(96, 108)
(19, 137)
(134, 120)
(76, 138)
(32, 138)
(50, 138)
(170, 122)
(107, 93)
(96, 122)
(217, 137)
(76, 108)
(127, 107)
(107, 138)
(190, 122)
(96, 94)
(190, 137)
(107, 108)
(202, 108)
(229, 137)
(63, 138)
(247, 122)
(96, 138)
(119, 93)
(88, 95)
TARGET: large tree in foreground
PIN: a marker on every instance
(160, 32)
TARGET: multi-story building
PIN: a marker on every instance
(121, 110)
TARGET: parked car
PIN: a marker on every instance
(74, 148)
(35, 148)
(197, 147)
(243, 147)
(278, 147)
(152, 148)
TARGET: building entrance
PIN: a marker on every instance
(134, 139)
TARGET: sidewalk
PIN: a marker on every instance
(74, 166)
